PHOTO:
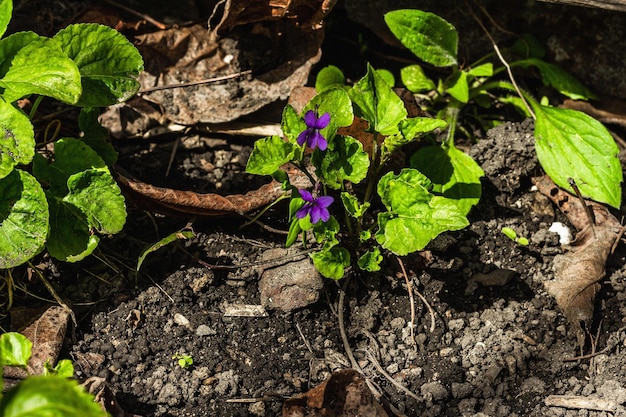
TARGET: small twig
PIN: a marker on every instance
(172, 156)
(306, 342)
(579, 402)
(412, 301)
(430, 310)
(282, 259)
(390, 378)
(506, 65)
(54, 294)
(136, 13)
(588, 211)
(342, 327)
(193, 83)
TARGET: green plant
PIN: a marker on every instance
(183, 360)
(52, 394)
(381, 210)
(61, 200)
(512, 234)
(568, 143)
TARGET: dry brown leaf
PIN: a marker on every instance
(47, 334)
(304, 13)
(182, 203)
(344, 394)
(578, 272)
(279, 55)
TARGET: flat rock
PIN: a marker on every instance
(290, 285)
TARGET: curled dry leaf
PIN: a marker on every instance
(578, 272)
(344, 394)
(46, 334)
(307, 14)
(181, 203)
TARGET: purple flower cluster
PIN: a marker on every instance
(317, 207)
(311, 135)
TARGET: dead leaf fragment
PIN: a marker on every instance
(344, 394)
(47, 334)
(578, 272)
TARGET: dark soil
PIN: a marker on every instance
(497, 347)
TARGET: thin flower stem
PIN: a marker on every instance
(506, 64)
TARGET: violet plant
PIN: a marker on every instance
(378, 211)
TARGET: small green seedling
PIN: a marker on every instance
(184, 361)
(511, 234)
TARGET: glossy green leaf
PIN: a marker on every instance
(268, 155)
(172, 237)
(95, 135)
(415, 80)
(70, 239)
(387, 76)
(353, 206)
(377, 103)
(293, 233)
(292, 124)
(571, 144)
(556, 77)
(453, 173)
(427, 35)
(18, 139)
(414, 215)
(344, 160)
(64, 368)
(484, 70)
(331, 262)
(71, 156)
(329, 77)
(95, 193)
(23, 218)
(6, 9)
(107, 61)
(33, 64)
(15, 349)
(457, 86)
(411, 129)
(370, 260)
(49, 396)
(335, 102)
(326, 232)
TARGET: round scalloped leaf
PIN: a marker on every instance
(107, 61)
(23, 218)
(49, 396)
(33, 64)
(70, 239)
(17, 143)
(98, 196)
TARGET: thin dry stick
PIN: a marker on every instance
(390, 378)
(506, 65)
(342, 327)
(409, 288)
(54, 294)
(136, 13)
(193, 83)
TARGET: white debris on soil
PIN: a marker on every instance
(565, 235)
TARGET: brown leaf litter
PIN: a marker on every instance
(578, 272)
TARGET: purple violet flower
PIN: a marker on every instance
(317, 207)
(311, 135)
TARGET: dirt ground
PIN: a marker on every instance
(499, 345)
(490, 342)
